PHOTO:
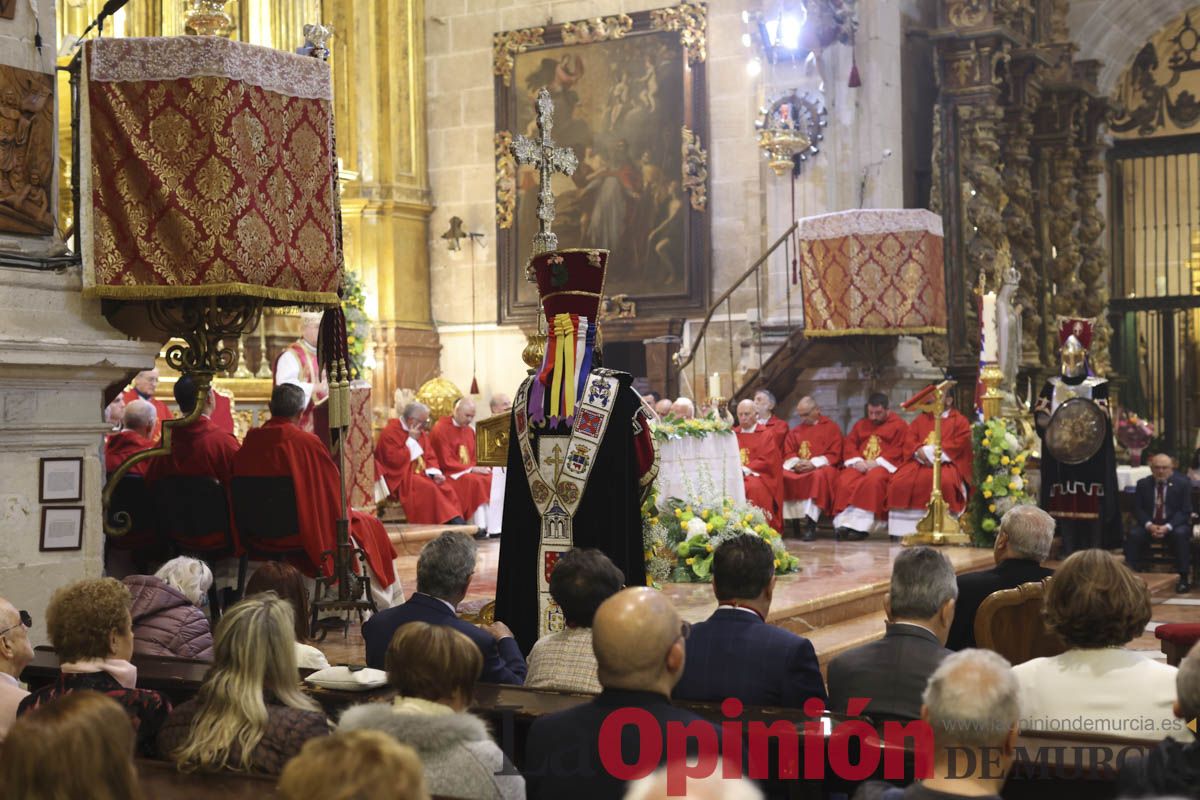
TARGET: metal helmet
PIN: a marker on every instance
(1074, 358)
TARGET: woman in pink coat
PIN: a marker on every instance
(167, 618)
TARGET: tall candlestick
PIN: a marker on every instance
(991, 338)
(714, 385)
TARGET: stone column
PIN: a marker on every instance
(57, 354)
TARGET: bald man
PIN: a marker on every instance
(638, 638)
(762, 465)
(144, 385)
(137, 427)
(683, 408)
(812, 453)
(15, 654)
(453, 440)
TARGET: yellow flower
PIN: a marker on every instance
(987, 493)
(351, 340)
(654, 520)
(689, 510)
(648, 555)
(1005, 460)
(777, 563)
(704, 514)
(1021, 457)
(678, 513)
(986, 480)
(689, 561)
(708, 547)
(1015, 470)
(992, 507)
(1012, 485)
(986, 443)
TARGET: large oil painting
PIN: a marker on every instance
(622, 103)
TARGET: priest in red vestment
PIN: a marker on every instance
(812, 453)
(764, 407)
(908, 493)
(281, 448)
(871, 454)
(453, 440)
(405, 459)
(760, 463)
(222, 414)
(142, 388)
(199, 449)
(136, 426)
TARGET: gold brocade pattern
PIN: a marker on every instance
(744, 455)
(206, 185)
(419, 466)
(463, 457)
(872, 449)
(805, 451)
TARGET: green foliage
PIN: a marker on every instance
(673, 427)
(358, 325)
(999, 478)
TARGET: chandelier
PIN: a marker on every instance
(790, 128)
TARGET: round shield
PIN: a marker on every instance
(1076, 431)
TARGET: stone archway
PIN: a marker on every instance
(1113, 31)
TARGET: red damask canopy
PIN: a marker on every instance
(207, 168)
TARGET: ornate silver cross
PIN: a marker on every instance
(549, 159)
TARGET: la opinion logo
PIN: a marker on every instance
(699, 739)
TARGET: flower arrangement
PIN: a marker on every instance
(358, 326)
(680, 537)
(672, 427)
(1134, 434)
(999, 478)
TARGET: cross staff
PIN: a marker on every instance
(549, 159)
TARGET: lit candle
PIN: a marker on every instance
(714, 385)
(991, 338)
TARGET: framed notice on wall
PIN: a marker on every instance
(62, 528)
(60, 480)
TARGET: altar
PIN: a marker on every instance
(695, 468)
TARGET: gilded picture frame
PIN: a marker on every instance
(630, 99)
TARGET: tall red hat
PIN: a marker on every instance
(1078, 327)
(570, 281)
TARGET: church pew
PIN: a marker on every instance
(160, 780)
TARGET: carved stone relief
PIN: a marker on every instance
(27, 136)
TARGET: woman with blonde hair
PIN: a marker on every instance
(434, 669)
(80, 745)
(1096, 605)
(359, 765)
(92, 634)
(249, 715)
(167, 618)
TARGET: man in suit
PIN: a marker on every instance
(1163, 510)
(735, 653)
(1023, 543)
(638, 638)
(892, 672)
(444, 571)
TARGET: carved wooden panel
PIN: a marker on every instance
(26, 148)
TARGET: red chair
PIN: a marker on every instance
(1177, 639)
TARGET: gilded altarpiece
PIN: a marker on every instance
(1017, 163)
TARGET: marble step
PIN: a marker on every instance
(409, 539)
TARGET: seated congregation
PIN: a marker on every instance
(438, 728)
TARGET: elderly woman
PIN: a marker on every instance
(288, 583)
(249, 715)
(78, 746)
(92, 633)
(167, 620)
(434, 669)
(1096, 605)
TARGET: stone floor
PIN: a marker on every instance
(835, 599)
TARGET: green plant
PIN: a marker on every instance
(999, 478)
(358, 325)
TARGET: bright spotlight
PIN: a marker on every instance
(753, 67)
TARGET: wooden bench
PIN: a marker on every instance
(161, 780)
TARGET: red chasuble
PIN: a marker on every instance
(455, 450)
(868, 441)
(222, 413)
(160, 408)
(819, 440)
(760, 453)
(281, 448)
(120, 446)
(777, 428)
(911, 485)
(424, 501)
(199, 449)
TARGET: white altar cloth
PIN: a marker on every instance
(701, 470)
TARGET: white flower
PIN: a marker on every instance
(1017, 483)
(696, 527)
(1011, 441)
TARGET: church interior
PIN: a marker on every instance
(857, 338)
